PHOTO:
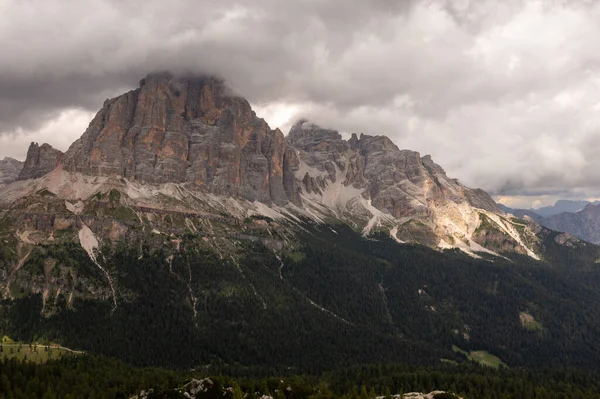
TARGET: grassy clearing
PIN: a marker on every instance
(114, 195)
(7, 340)
(45, 193)
(123, 213)
(17, 291)
(486, 359)
(5, 224)
(483, 358)
(296, 256)
(33, 352)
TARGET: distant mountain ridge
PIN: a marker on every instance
(521, 213)
(579, 218)
(9, 170)
(584, 224)
(563, 206)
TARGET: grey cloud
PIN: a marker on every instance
(504, 95)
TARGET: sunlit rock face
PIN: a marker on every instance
(197, 135)
(370, 178)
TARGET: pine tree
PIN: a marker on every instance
(363, 392)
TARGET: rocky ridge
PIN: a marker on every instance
(206, 388)
(369, 181)
(201, 147)
(40, 161)
(187, 130)
(9, 170)
(584, 224)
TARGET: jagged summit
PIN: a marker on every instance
(184, 130)
(195, 133)
(40, 160)
(305, 132)
(369, 181)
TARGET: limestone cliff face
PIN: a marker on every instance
(399, 182)
(9, 170)
(41, 159)
(197, 132)
(194, 132)
(184, 130)
(371, 182)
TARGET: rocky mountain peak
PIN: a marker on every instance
(184, 130)
(368, 143)
(40, 160)
(370, 178)
(309, 137)
(9, 170)
(194, 133)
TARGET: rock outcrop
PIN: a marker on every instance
(184, 130)
(41, 159)
(194, 130)
(196, 133)
(399, 182)
(370, 182)
(9, 170)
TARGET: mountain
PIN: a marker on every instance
(40, 160)
(9, 170)
(584, 224)
(521, 213)
(369, 182)
(192, 130)
(561, 206)
(180, 230)
(195, 133)
(581, 219)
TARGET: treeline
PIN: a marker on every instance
(103, 378)
(357, 300)
(83, 377)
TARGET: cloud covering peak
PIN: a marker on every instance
(505, 95)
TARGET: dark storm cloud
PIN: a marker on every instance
(504, 95)
(61, 54)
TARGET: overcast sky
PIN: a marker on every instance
(505, 95)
